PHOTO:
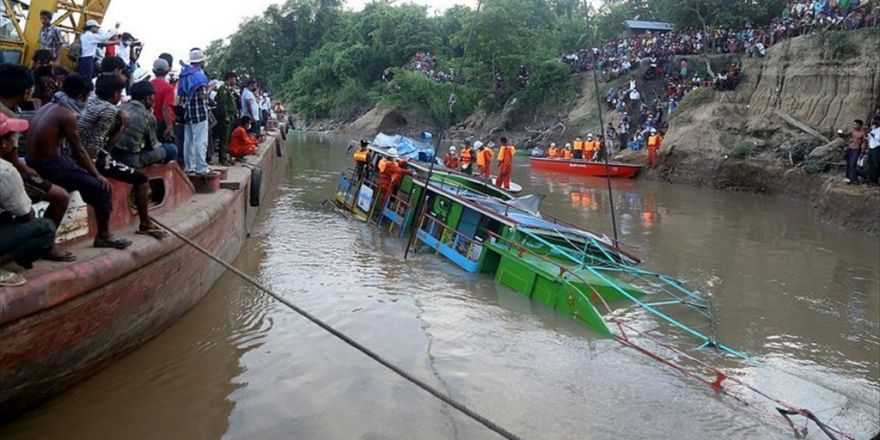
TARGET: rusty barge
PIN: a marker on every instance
(72, 319)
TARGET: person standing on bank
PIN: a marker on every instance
(193, 92)
(854, 151)
(874, 153)
(226, 115)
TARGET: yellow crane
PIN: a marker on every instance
(20, 24)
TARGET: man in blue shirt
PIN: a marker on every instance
(193, 91)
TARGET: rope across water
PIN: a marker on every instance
(464, 409)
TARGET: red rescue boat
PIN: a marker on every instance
(584, 168)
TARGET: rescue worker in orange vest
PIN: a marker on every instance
(361, 159)
(484, 160)
(578, 148)
(590, 147)
(451, 159)
(505, 163)
(391, 173)
(654, 142)
(567, 153)
(553, 152)
(466, 159)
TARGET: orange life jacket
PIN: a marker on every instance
(567, 154)
(553, 152)
(578, 145)
(467, 155)
(590, 146)
(383, 164)
(654, 141)
(361, 156)
(506, 153)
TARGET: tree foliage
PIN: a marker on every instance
(328, 61)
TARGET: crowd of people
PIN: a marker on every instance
(426, 63)
(63, 131)
(661, 52)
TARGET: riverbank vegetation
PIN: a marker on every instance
(329, 62)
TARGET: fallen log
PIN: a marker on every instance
(800, 125)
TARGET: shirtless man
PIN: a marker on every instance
(854, 151)
(54, 125)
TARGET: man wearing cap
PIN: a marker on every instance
(50, 35)
(139, 146)
(193, 91)
(227, 115)
(163, 101)
(89, 41)
(23, 238)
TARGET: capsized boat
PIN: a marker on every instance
(586, 168)
(568, 268)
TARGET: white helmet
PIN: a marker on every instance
(552, 144)
(478, 144)
(452, 149)
(393, 152)
(653, 131)
(590, 136)
(568, 146)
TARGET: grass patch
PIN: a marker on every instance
(743, 150)
(815, 166)
(693, 99)
(839, 45)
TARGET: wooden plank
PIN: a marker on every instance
(800, 125)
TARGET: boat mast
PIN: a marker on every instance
(601, 126)
(446, 121)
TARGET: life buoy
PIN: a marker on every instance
(278, 149)
(256, 182)
(284, 135)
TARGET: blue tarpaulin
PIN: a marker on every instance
(407, 148)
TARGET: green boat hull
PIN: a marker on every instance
(571, 293)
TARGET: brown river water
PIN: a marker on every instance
(801, 296)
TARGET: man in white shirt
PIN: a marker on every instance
(874, 153)
(89, 41)
(250, 107)
(23, 237)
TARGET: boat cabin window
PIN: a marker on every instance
(488, 224)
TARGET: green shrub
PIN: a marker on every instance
(840, 45)
(743, 150)
(550, 83)
(815, 166)
(421, 95)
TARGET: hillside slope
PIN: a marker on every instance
(737, 140)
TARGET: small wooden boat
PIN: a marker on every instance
(585, 168)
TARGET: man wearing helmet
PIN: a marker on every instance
(654, 142)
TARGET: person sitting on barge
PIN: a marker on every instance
(242, 142)
(553, 152)
(100, 127)
(15, 85)
(23, 237)
(139, 145)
